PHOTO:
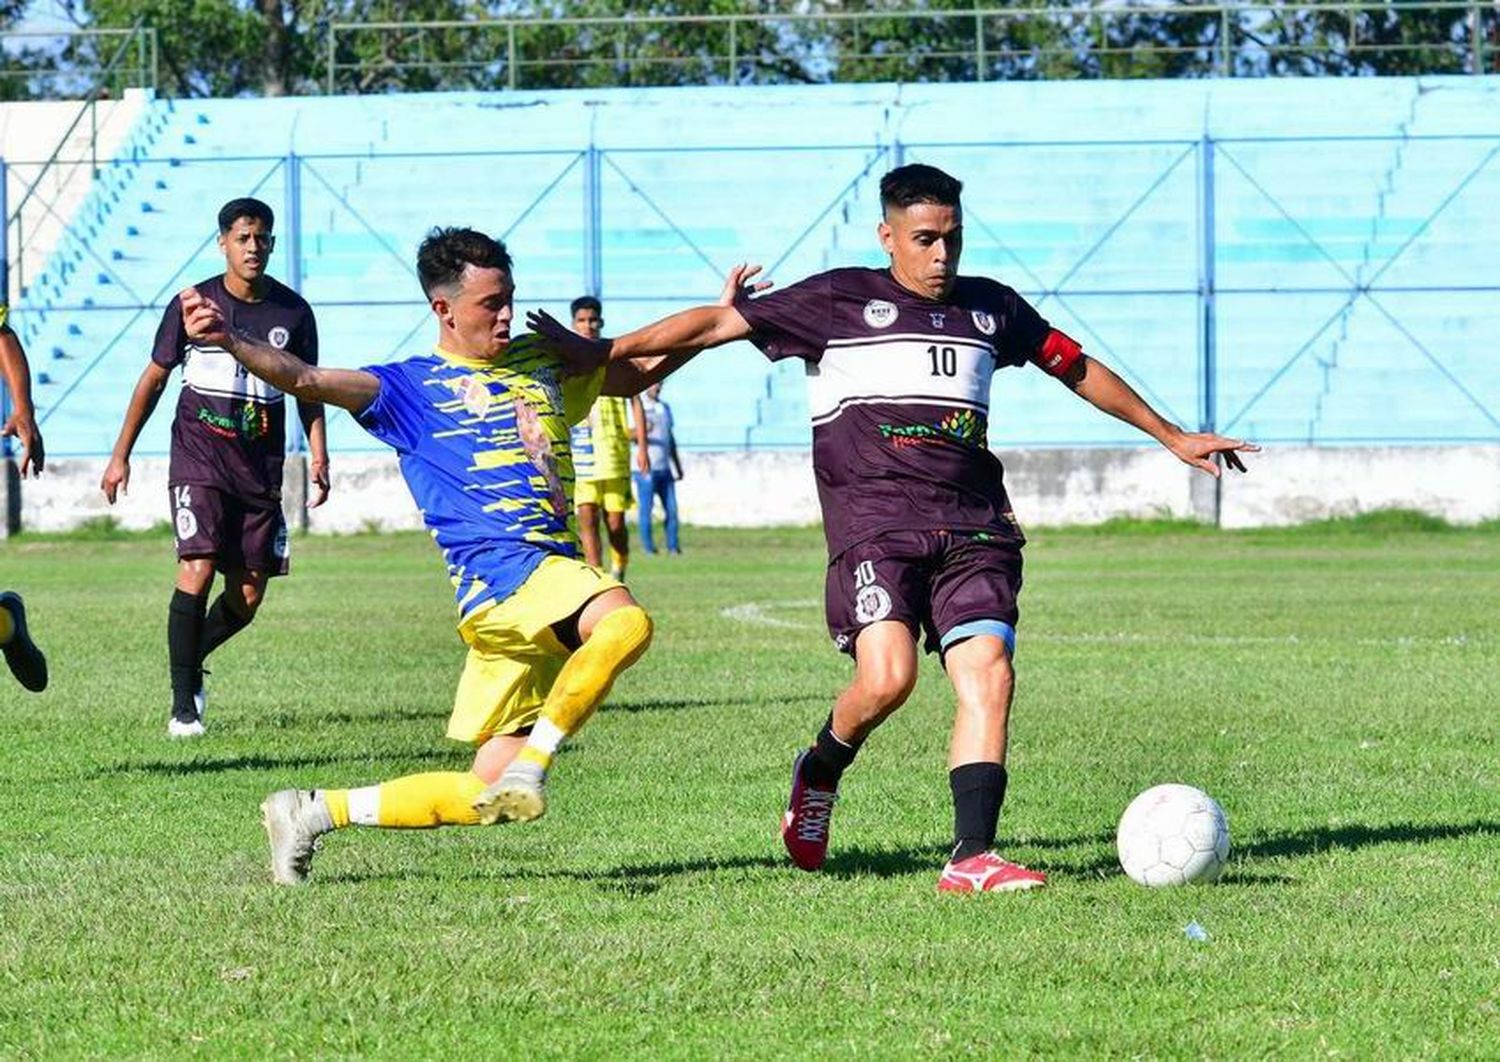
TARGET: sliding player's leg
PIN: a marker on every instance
(612, 633)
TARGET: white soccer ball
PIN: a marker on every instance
(1173, 835)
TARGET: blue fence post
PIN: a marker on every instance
(1208, 339)
(5, 449)
(295, 503)
(10, 474)
(1207, 493)
(293, 211)
(593, 250)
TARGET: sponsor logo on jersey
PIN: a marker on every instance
(937, 319)
(984, 322)
(962, 425)
(880, 314)
(279, 337)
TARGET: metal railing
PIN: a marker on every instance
(983, 43)
(72, 64)
(136, 44)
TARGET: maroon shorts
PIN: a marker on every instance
(946, 585)
(237, 533)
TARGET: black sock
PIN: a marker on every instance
(827, 759)
(978, 792)
(185, 649)
(222, 624)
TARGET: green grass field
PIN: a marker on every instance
(1334, 687)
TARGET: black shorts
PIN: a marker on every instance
(944, 584)
(236, 532)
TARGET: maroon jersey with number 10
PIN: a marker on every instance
(899, 391)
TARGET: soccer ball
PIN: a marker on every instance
(1173, 835)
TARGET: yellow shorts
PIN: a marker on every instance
(614, 493)
(514, 656)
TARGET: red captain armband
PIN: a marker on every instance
(1058, 354)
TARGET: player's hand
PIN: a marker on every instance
(643, 463)
(318, 470)
(202, 319)
(1204, 450)
(116, 478)
(738, 284)
(25, 429)
(580, 355)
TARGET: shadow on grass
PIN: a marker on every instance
(1291, 844)
(662, 704)
(220, 764)
(1357, 835)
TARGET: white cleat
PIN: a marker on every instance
(517, 796)
(185, 728)
(294, 820)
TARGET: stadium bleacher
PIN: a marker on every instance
(1088, 198)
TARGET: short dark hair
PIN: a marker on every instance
(916, 183)
(446, 251)
(586, 302)
(245, 207)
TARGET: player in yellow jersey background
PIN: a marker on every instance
(601, 457)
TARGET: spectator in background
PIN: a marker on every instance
(664, 468)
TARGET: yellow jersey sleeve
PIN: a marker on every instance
(579, 393)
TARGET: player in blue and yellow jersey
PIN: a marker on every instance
(481, 427)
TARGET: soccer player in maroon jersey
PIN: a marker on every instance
(922, 542)
(228, 446)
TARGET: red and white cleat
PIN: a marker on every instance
(804, 827)
(987, 872)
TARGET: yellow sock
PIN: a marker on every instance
(617, 641)
(438, 798)
(7, 626)
(338, 806)
(618, 561)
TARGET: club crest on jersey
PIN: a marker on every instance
(278, 337)
(937, 319)
(871, 604)
(984, 322)
(880, 314)
(475, 395)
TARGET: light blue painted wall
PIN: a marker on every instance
(1087, 196)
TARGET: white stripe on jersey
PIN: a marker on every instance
(213, 371)
(911, 337)
(920, 369)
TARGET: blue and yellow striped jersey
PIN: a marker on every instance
(484, 450)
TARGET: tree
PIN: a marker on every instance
(278, 47)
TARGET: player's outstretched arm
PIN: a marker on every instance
(1095, 382)
(15, 374)
(652, 353)
(349, 389)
